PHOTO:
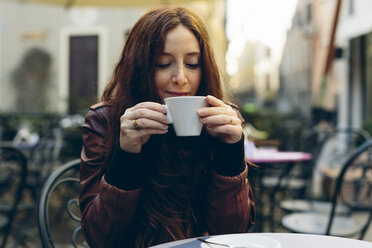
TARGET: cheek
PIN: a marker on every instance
(195, 82)
(161, 81)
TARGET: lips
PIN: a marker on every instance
(173, 94)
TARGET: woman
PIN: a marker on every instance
(140, 184)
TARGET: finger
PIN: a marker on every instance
(144, 123)
(220, 120)
(149, 105)
(147, 131)
(215, 102)
(208, 111)
(144, 113)
(232, 130)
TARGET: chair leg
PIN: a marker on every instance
(26, 224)
(276, 190)
(6, 235)
(364, 230)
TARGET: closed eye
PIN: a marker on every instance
(162, 65)
(193, 66)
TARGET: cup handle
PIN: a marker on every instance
(168, 113)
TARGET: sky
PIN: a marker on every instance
(262, 20)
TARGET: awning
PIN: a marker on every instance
(110, 3)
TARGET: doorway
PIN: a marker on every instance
(83, 76)
(83, 68)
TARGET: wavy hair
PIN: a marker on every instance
(133, 78)
(132, 82)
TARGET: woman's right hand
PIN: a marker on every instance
(139, 122)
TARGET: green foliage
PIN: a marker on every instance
(11, 122)
(287, 128)
(45, 125)
(367, 125)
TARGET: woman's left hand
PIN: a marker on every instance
(221, 120)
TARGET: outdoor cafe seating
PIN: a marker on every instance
(284, 183)
(352, 187)
(42, 147)
(333, 145)
(58, 208)
(55, 191)
(13, 173)
(270, 176)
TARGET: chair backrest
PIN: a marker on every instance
(315, 139)
(43, 157)
(331, 148)
(58, 211)
(361, 161)
(349, 137)
(13, 173)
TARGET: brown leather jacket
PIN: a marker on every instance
(108, 211)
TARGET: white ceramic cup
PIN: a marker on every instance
(181, 112)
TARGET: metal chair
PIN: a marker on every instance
(13, 173)
(314, 142)
(42, 158)
(58, 210)
(359, 197)
(281, 183)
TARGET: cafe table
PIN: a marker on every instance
(284, 240)
(265, 159)
(286, 159)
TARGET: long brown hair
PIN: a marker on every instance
(133, 78)
(132, 82)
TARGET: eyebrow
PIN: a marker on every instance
(188, 54)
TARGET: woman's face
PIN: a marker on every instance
(177, 67)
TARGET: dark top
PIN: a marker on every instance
(209, 174)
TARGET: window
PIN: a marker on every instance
(368, 77)
(351, 7)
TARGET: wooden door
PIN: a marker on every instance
(83, 73)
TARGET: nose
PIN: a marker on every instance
(180, 75)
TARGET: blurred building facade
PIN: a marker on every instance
(296, 65)
(256, 76)
(55, 59)
(354, 39)
(346, 90)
